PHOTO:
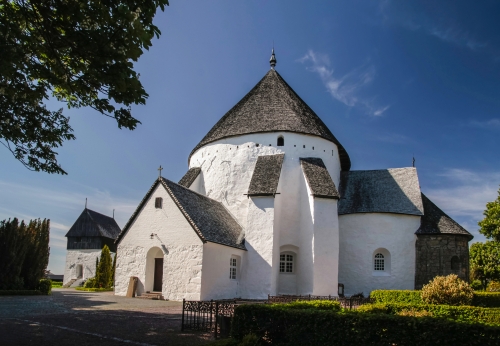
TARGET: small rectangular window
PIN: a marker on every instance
(232, 268)
(286, 263)
(158, 203)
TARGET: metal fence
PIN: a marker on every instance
(215, 316)
(211, 316)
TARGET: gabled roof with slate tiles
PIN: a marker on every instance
(266, 175)
(188, 179)
(394, 190)
(93, 224)
(435, 221)
(272, 106)
(319, 180)
(209, 218)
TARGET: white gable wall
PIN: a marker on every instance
(215, 280)
(181, 246)
(361, 235)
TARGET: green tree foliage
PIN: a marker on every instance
(485, 261)
(37, 257)
(13, 248)
(80, 52)
(490, 225)
(24, 253)
(113, 270)
(104, 270)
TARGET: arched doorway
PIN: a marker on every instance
(154, 270)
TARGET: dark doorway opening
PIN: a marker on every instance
(158, 275)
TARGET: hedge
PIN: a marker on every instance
(460, 313)
(484, 299)
(276, 325)
(93, 289)
(396, 296)
(20, 293)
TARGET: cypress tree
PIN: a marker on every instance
(13, 249)
(113, 270)
(96, 266)
(103, 276)
(37, 255)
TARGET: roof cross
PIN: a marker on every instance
(159, 170)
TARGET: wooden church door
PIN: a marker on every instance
(158, 275)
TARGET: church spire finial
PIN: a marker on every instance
(272, 61)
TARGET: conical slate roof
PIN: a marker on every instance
(272, 106)
(93, 224)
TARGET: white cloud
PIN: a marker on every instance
(492, 124)
(345, 88)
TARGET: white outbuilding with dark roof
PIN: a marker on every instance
(269, 205)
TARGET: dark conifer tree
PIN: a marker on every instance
(13, 248)
(37, 255)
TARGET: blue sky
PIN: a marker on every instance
(391, 79)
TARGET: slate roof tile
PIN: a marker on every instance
(209, 218)
(319, 180)
(266, 175)
(93, 224)
(435, 221)
(271, 106)
(188, 179)
(394, 190)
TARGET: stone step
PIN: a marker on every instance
(151, 295)
(69, 283)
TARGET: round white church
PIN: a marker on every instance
(269, 205)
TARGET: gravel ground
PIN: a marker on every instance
(70, 317)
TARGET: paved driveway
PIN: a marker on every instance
(70, 317)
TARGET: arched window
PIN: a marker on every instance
(281, 141)
(455, 263)
(158, 202)
(379, 263)
(287, 262)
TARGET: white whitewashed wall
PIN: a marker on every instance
(86, 258)
(215, 280)
(363, 233)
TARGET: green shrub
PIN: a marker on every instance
(486, 299)
(396, 296)
(331, 305)
(449, 290)
(273, 324)
(90, 283)
(93, 289)
(56, 284)
(476, 285)
(459, 313)
(493, 286)
(45, 286)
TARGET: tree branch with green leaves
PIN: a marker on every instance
(80, 52)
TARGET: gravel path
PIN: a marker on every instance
(70, 317)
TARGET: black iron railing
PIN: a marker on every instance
(215, 316)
